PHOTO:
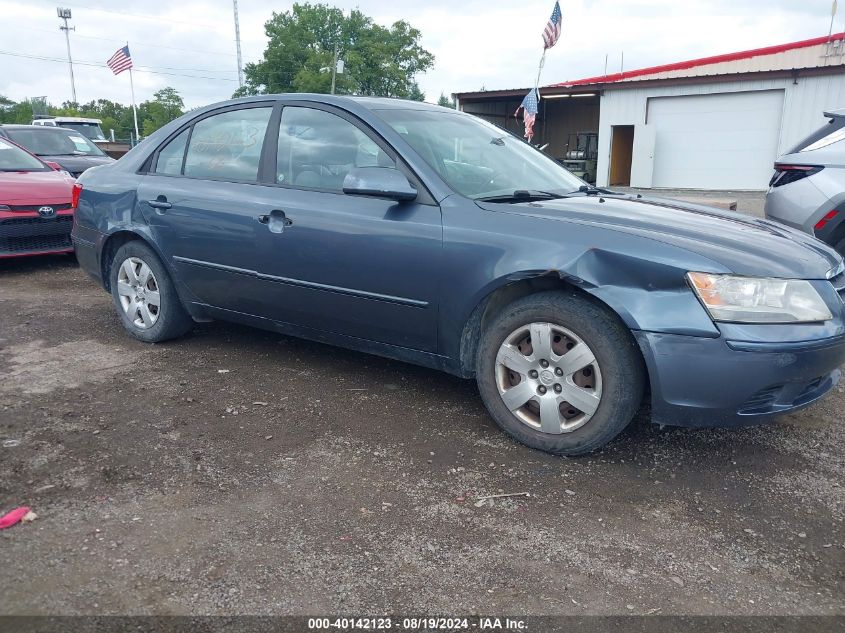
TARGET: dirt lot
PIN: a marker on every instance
(238, 471)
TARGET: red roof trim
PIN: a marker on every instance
(704, 61)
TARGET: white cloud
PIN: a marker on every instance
(492, 43)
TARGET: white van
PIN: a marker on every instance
(89, 127)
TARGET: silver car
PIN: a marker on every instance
(807, 191)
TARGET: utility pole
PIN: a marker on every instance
(64, 14)
(238, 43)
(334, 67)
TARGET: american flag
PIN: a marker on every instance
(529, 107)
(552, 30)
(120, 61)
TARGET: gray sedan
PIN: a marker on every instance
(428, 235)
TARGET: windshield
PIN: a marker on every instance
(45, 141)
(478, 159)
(13, 158)
(90, 130)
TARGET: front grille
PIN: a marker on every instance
(34, 207)
(22, 235)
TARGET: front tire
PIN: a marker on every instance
(144, 295)
(560, 373)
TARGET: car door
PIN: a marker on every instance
(363, 267)
(201, 199)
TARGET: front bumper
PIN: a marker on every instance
(699, 381)
(27, 233)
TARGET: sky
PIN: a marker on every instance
(491, 44)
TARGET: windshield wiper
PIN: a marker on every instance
(592, 190)
(522, 195)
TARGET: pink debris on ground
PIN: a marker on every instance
(9, 519)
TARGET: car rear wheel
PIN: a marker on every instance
(560, 373)
(144, 295)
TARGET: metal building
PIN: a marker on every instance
(712, 123)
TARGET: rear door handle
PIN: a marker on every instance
(159, 203)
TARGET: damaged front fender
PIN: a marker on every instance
(642, 280)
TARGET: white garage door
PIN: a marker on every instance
(718, 141)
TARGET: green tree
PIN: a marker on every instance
(379, 61)
(15, 112)
(110, 113)
(6, 108)
(165, 106)
(446, 102)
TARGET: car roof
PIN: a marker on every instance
(72, 119)
(38, 128)
(346, 101)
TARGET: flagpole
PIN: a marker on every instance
(537, 85)
(540, 70)
(833, 9)
(132, 89)
(134, 109)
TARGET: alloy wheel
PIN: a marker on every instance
(548, 377)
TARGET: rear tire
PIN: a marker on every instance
(144, 295)
(552, 346)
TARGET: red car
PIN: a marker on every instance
(36, 204)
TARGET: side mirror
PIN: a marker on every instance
(381, 182)
(53, 166)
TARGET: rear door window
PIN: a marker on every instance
(170, 157)
(227, 146)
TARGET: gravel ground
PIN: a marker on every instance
(239, 471)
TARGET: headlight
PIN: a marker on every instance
(759, 299)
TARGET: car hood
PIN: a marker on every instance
(743, 244)
(76, 164)
(35, 187)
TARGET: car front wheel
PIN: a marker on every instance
(144, 295)
(560, 373)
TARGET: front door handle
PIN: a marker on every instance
(159, 203)
(276, 220)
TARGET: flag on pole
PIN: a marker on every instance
(552, 31)
(529, 106)
(120, 61)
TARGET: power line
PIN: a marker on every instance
(134, 44)
(101, 65)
